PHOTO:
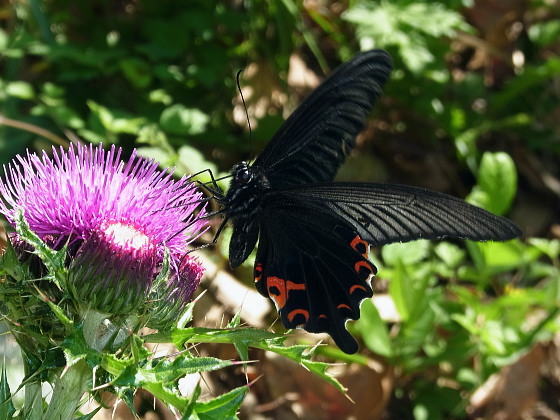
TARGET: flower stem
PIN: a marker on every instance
(68, 391)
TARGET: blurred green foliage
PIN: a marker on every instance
(483, 98)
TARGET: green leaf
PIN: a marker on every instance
(76, 349)
(296, 353)
(127, 395)
(399, 287)
(189, 408)
(223, 407)
(211, 335)
(450, 254)
(253, 337)
(167, 371)
(7, 408)
(497, 183)
(53, 260)
(20, 89)
(180, 120)
(373, 330)
(137, 71)
(407, 26)
(193, 161)
(116, 121)
(408, 253)
(10, 265)
(545, 33)
(90, 415)
(497, 257)
(551, 247)
(415, 332)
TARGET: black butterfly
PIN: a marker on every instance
(314, 234)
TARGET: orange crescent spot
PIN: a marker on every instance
(362, 264)
(322, 316)
(283, 287)
(344, 306)
(295, 312)
(259, 270)
(359, 241)
(357, 286)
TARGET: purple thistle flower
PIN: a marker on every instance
(79, 197)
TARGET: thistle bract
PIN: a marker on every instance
(172, 294)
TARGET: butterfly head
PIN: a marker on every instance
(242, 173)
(244, 196)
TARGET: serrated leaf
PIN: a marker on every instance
(75, 349)
(256, 338)
(90, 415)
(211, 335)
(167, 371)
(10, 265)
(189, 409)
(296, 353)
(127, 395)
(53, 260)
(242, 347)
(223, 407)
(7, 408)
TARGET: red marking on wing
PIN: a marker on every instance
(283, 287)
(296, 312)
(344, 306)
(258, 272)
(359, 241)
(357, 286)
(363, 264)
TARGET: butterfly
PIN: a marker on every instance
(314, 234)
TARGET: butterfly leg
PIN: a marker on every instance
(215, 190)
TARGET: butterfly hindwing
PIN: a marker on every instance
(316, 273)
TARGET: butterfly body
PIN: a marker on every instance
(314, 234)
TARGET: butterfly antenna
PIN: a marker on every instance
(246, 115)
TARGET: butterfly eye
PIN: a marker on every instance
(244, 175)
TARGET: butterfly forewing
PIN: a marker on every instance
(314, 141)
(387, 213)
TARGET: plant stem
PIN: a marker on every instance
(68, 391)
(33, 396)
(33, 403)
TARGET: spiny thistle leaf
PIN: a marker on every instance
(7, 408)
(223, 407)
